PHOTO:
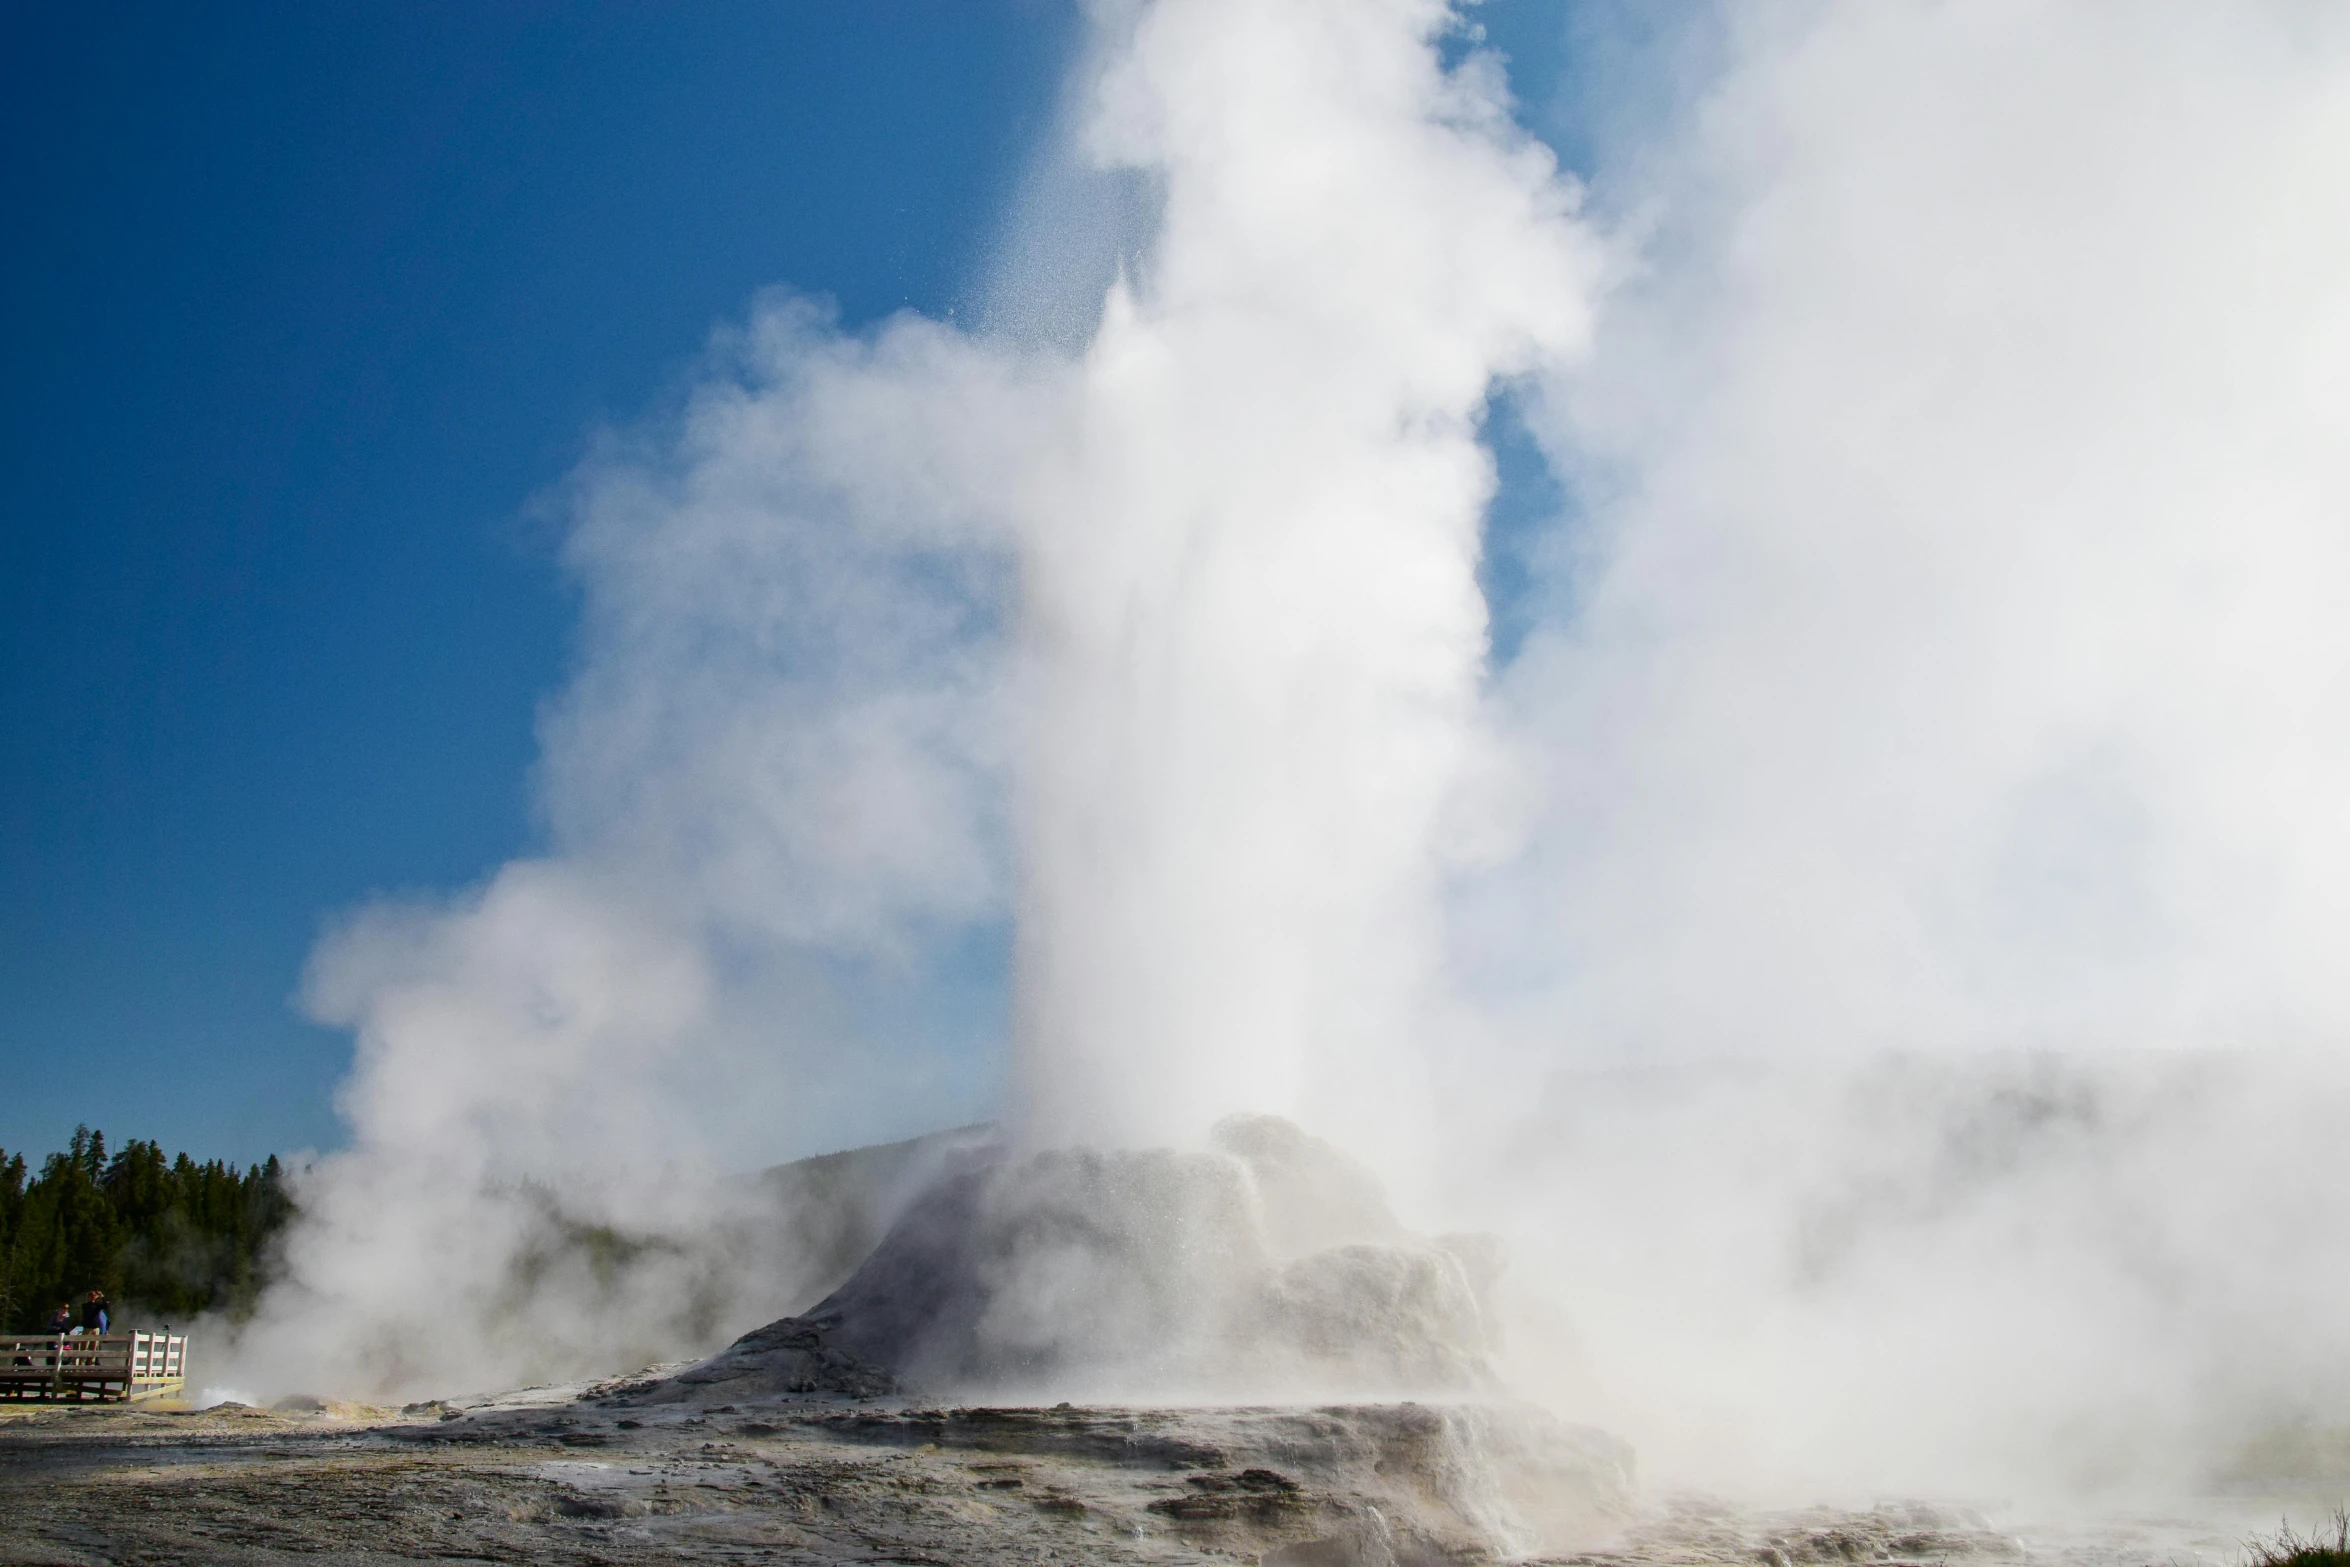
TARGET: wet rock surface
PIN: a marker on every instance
(593, 1480)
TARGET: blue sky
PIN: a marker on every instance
(305, 305)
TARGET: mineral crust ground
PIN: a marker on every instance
(553, 1477)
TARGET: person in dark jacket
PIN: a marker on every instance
(61, 1320)
(94, 1312)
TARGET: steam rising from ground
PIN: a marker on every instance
(1943, 654)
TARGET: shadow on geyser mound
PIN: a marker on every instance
(1269, 1267)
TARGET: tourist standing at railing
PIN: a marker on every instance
(61, 1322)
(94, 1312)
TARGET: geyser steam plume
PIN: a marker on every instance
(1231, 704)
(1252, 633)
(1943, 654)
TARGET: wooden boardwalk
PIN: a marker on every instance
(59, 1367)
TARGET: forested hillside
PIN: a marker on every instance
(163, 1236)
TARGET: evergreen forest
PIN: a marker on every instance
(163, 1236)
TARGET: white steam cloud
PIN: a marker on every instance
(1957, 652)
(771, 792)
(1949, 659)
(1945, 654)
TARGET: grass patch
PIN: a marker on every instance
(2320, 1548)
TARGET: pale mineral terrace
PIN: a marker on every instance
(560, 1479)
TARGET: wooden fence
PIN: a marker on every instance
(52, 1366)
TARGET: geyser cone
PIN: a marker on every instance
(1266, 1265)
(1260, 1295)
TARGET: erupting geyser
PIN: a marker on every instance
(1249, 651)
(1944, 655)
(1192, 609)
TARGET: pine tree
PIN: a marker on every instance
(165, 1238)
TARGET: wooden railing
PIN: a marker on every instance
(84, 1365)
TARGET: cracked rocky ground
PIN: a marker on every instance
(591, 1482)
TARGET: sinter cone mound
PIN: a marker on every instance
(1267, 1276)
(1269, 1266)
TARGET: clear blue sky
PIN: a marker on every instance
(304, 303)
